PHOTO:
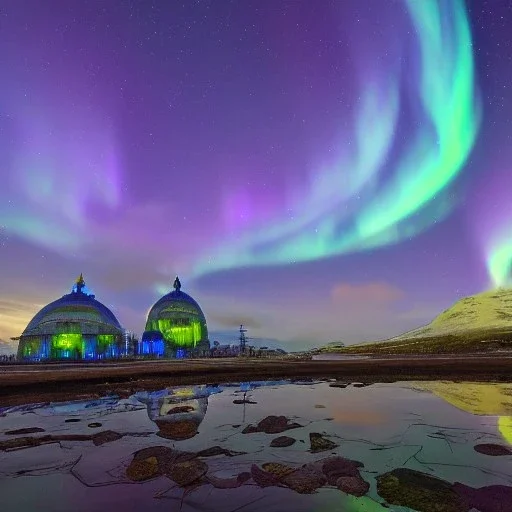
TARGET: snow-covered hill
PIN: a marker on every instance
(487, 311)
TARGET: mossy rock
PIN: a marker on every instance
(319, 443)
(140, 470)
(277, 469)
(187, 472)
(419, 491)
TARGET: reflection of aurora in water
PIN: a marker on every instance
(350, 206)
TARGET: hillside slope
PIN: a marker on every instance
(472, 324)
(485, 311)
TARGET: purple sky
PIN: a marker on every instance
(140, 139)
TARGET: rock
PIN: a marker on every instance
(494, 450)
(263, 478)
(276, 425)
(271, 425)
(228, 483)
(419, 491)
(359, 385)
(277, 469)
(165, 456)
(19, 443)
(319, 443)
(22, 431)
(140, 470)
(107, 436)
(341, 385)
(282, 442)
(354, 485)
(94, 425)
(493, 498)
(303, 481)
(214, 451)
(184, 468)
(188, 472)
(335, 468)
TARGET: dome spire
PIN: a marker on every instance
(177, 284)
(80, 283)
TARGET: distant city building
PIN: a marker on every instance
(175, 327)
(74, 327)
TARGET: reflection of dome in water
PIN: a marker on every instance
(175, 327)
(76, 326)
(179, 415)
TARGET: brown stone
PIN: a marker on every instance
(263, 478)
(493, 498)
(188, 472)
(419, 491)
(271, 425)
(304, 481)
(282, 442)
(141, 470)
(277, 469)
(22, 431)
(107, 436)
(494, 450)
(336, 467)
(354, 485)
(319, 443)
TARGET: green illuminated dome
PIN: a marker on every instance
(76, 326)
(175, 327)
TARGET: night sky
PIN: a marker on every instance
(319, 171)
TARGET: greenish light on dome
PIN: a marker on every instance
(175, 334)
(67, 344)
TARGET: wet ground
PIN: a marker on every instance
(270, 446)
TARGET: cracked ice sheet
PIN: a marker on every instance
(383, 426)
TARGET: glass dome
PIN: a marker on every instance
(76, 326)
(175, 327)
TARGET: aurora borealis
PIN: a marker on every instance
(316, 172)
(443, 129)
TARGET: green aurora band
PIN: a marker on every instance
(346, 212)
(499, 260)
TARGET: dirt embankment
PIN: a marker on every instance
(52, 382)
